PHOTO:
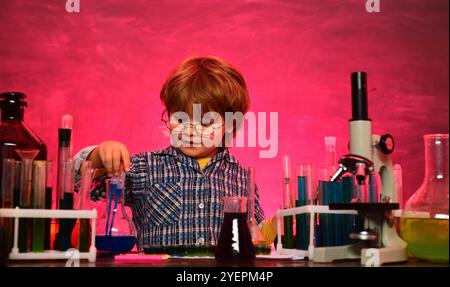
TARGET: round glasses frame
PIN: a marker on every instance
(197, 127)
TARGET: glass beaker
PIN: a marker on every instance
(424, 225)
(115, 231)
(235, 241)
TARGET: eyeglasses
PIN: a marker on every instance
(174, 123)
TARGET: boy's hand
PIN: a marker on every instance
(113, 156)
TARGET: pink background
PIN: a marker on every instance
(106, 65)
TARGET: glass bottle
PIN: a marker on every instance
(14, 132)
(424, 225)
(235, 241)
(115, 232)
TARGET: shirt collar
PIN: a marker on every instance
(224, 154)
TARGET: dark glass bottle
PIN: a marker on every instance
(235, 240)
(14, 133)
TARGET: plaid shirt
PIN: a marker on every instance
(174, 201)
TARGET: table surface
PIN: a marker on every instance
(208, 262)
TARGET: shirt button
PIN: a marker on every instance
(201, 205)
(201, 241)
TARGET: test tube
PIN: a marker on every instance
(39, 182)
(65, 185)
(84, 234)
(307, 171)
(62, 241)
(7, 183)
(347, 194)
(399, 184)
(7, 198)
(304, 183)
(251, 194)
(288, 196)
(25, 199)
(326, 227)
(288, 202)
(321, 174)
(48, 204)
(330, 152)
(26, 176)
(17, 173)
(336, 196)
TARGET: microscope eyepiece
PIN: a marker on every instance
(359, 96)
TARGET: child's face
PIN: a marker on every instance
(199, 140)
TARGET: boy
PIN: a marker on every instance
(176, 194)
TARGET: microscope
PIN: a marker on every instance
(379, 242)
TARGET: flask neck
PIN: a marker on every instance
(436, 158)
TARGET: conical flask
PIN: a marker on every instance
(424, 225)
(235, 241)
(115, 231)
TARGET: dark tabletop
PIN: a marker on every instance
(180, 262)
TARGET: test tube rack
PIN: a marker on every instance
(17, 213)
(368, 256)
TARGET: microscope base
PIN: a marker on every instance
(330, 254)
(370, 257)
(374, 257)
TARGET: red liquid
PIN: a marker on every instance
(235, 241)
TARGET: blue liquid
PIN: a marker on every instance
(115, 244)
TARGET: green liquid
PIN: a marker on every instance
(84, 235)
(263, 249)
(37, 244)
(427, 238)
(182, 250)
(288, 238)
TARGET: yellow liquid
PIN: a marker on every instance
(427, 238)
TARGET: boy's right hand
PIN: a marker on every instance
(111, 155)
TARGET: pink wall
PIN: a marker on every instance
(106, 64)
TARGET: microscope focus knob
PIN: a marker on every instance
(386, 144)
